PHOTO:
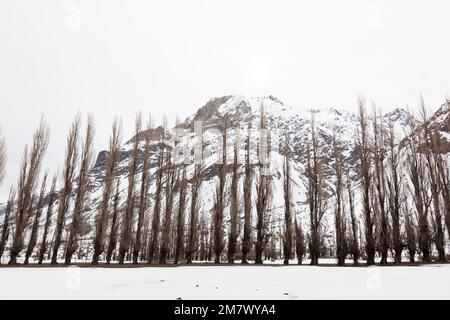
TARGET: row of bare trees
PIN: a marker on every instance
(398, 201)
(403, 186)
(404, 192)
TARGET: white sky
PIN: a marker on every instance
(116, 57)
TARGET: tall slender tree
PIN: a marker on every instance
(394, 192)
(29, 175)
(432, 160)
(234, 204)
(365, 165)
(287, 188)
(154, 236)
(81, 193)
(380, 185)
(143, 195)
(263, 190)
(182, 186)
(191, 247)
(315, 191)
(420, 194)
(128, 213)
(66, 191)
(248, 187)
(167, 221)
(108, 186)
(219, 201)
(339, 216)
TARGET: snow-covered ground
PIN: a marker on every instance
(227, 282)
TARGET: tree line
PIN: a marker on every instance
(397, 205)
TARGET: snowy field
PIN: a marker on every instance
(227, 282)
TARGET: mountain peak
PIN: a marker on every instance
(238, 105)
(400, 116)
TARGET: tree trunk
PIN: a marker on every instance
(233, 235)
(113, 233)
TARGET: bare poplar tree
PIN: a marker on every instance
(182, 185)
(314, 172)
(112, 243)
(102, 219)
(191, 247)
(6, 221)
(29, 174)
(432, 159)
(153, 243)
(248, 187)
(48, 219)
(66, 191)
(339, 216)
(143, 196)
(167, 221)
(420, 195)
(37, 216)
(380, 185)
(234, 205)
(80, 199)
(287, 188)
(365, 164)
(263, 190)
(219, 201)
(127, 220)
(394, 191)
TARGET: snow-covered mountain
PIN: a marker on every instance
(239, 110)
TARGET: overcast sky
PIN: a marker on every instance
(116, 57)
